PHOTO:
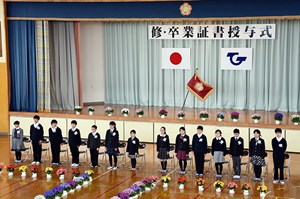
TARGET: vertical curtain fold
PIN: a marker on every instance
(78, 60)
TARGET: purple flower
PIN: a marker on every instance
(123, 195)
(72, 183)
(49, 194)
(163, 112)
(85, 176)
(58, 190)
(278, 116)
(66, 186)
(136, 188)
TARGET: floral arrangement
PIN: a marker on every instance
(262, 188)
(72, 184)
(278, 116)
(10, 168)
(86, 177)
(49, 194)
(165, 179)
(66, 187)
(49, 170)
(163, 112)
(235, 115)
(75, 172)
(256, 116)
(295, 118)
(147, 182)
(79, 180)
(140, 184)
(58, 191)
(180, 114)
(200, 181)
(61, 172)
(125, 111)
(221, 115)
(108, 110)
(246, 186)
(139, 111)
(78, 108)
(89, 172)
(127, 193)
(34, 169)
(23, 168)
(136, 189)
(203, 114)
(91, 109)
(219, 184)
(181, 180)
(232, 185)
(1, 167)
(153, 179)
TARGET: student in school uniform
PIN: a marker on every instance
(74, 143)
(112, 144)
(236, 152)
(182, 149)
(279, 146)
(93, 144)
(163, 148)
(36, 137)
(199, 146)
(218, 150)
(17, 144)
(55, 137)
(133, 144)
(257, 153)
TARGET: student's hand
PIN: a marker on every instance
(116, 149)
(97, 149)
(40, 142)
(230, 156)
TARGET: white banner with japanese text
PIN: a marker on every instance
(236, 31)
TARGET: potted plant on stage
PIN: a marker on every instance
(163, 113)
(203, 115)
(73, 185)
(86, 179)
(66, 188)
(61, 173)
(49, 172)
(256, 117)
(78, 110)
(75, 172)
(181, 115)
(278, 118)
(136, 189)
(200, 183)
(232, 186)
(49, 194)
(220, 116)
(139, 112)
(91, 110)
(262, 190)
(23, 169)
(79, 181)
(295, 119)
(165, 180)
(125, 112)
(58, 191)
(109, 111)
(245, 188)
(181, 181)
(218, 185)
(34, 169)
(153, 180)
(235, 116)
(90, 173)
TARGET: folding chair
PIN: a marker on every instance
(190, 159)
(142, 155)
(208, 160)
(122, 146)
(103, 152)
(28, 149)
(287, 165)
(65, 150)
(227, 162)
(84, 151)
(172, 157)
(46, 149)
(245, 162)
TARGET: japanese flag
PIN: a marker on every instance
(176, 58)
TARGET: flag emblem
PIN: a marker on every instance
(199, 88)
(176, 58)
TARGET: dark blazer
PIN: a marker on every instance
(55, 137)
(36, 134)
(279, 148)
(218, 145)
(257, 148)
(162, 142)
(182, 144)
(133, 146)
(74, 138)
(236, 146)
(93, 141)
(199, 144)
(112, 139)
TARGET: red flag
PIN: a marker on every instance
(199, 88)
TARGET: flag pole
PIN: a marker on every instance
(187, 93)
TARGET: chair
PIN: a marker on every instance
(190, 159)
(65, 150)
(102, 153)
(227, 162)
(142, 155)
(122, 146)
(46, 149)
(287, 165)
(208, 160)
(172, 157)
(28, 149)
(246, 162)
(84, 151)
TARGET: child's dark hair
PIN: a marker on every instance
(74, 122)
(278, 130)
(53, 121)
(36, 117)
(133, 131)
(113, 123)
(218, 131)
(236, 131)
(257, 131)
(94, 126)
(16, 123)
(182, 128)
(200, 128)
(164, 128)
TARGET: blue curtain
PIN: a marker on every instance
(23, 77)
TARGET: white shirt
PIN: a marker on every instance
(278, 139)
(54, 129)
(36, 125)
(74, 129)
(199, 135)
(94, 133)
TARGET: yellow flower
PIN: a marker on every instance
(89, 172)
(23, 168)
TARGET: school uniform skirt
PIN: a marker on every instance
(132, 156)
(257, 160)
(112, 151)
(181, 155)
(163, 154)
(218, 157)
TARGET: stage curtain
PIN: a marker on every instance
(42, 65)
(78, 60)
(63, 66)
(22, 53)
(133, 73)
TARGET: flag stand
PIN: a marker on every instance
(187, 93)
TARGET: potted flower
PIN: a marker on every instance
(49, 194)
(73, 185)
(218, 185)
(66, 188)
(153, 180)
(75, 172)
(23, 169)
(262, 190)
(1, 168)
(245, 188)
(10, 169)
(200, 183)
(278, 118)
(180, 115)
(90, 173)
(165, 180)
(181, 181)
(79, 181)
(163, 113)
(34, 169)
(109, 111)
(148, 183)
(86, 179)
(58, 191)
(203, 115)
(220, 116)
(295, 119)
(235, 116)
(91, 110)
(49, 172)
(256, 117)
(232, 186)
(127, 193)
(136, 189)
(125, 112)
(139, 112)
(78, 109)
(141, 185)
(61, 173)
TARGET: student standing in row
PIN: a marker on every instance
(133, 144)
(93, 144)
(163, 148)
(199, 146)
(36, 137)
(56, 139)
(236, 152)
(112, 144)
(17, 144)
(74, 143)
(182, 149)
(218, 150)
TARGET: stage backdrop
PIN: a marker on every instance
(133, 73)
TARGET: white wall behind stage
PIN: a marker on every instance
(92, 50)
